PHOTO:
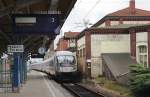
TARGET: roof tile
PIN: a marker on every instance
(126, 12)
(70, 34)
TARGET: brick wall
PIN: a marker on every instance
(133, 43)
(148, 36)
(88, 52)
(62, 45)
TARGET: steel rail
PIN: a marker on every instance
(80, 91)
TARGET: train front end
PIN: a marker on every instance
(66, 67)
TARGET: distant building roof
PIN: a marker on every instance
(126, 12)
(122, 26)
(70, 34)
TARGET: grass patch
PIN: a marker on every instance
(111, 85)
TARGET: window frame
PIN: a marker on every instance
(141, 55)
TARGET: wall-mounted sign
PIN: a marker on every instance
(88, 61)
(43, 24)
(15, 48)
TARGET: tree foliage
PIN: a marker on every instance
(140, 80)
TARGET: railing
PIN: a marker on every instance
(5, 81)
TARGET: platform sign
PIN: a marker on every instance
(43, 24)
(15, 48)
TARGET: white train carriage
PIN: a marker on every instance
(61, 65)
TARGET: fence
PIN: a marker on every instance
(5, 78)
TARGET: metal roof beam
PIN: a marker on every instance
(3, 3)
(34, 46)
(27, 39)
(54, 4)
(5, 36)
(19, 4)
(32, 41)
(24, 3)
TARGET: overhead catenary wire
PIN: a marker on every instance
(78, 4)
(87, 14)
(80, 1)
(96, 3)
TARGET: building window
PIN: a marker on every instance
(72, 43)
(81, 52)
(84, 52)
(78, 52)
(68, 42)
(143, 55)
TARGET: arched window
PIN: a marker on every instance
(142, 55)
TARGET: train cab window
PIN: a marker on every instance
(66, 59)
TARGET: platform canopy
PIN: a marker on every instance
(30, 42)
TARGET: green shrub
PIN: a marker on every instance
(140, 80)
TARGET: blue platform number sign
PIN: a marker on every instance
(45, 24)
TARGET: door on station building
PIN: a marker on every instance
(143, 55)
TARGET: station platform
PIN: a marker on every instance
(39, 85)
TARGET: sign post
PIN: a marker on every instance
(17, 50)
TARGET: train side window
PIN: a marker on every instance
(55, 60)
(52, 62)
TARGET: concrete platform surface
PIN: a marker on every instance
(38, 85)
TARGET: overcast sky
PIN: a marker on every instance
(93, 10)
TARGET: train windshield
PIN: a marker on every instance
(66, 59)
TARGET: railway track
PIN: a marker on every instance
(80, 91)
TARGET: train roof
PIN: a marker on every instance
(63, 53)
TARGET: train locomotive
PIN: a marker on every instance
(62, 65)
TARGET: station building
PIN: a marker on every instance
(62, 44)
(115, 42)
(67, 42)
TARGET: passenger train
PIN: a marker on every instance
(62, 65)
